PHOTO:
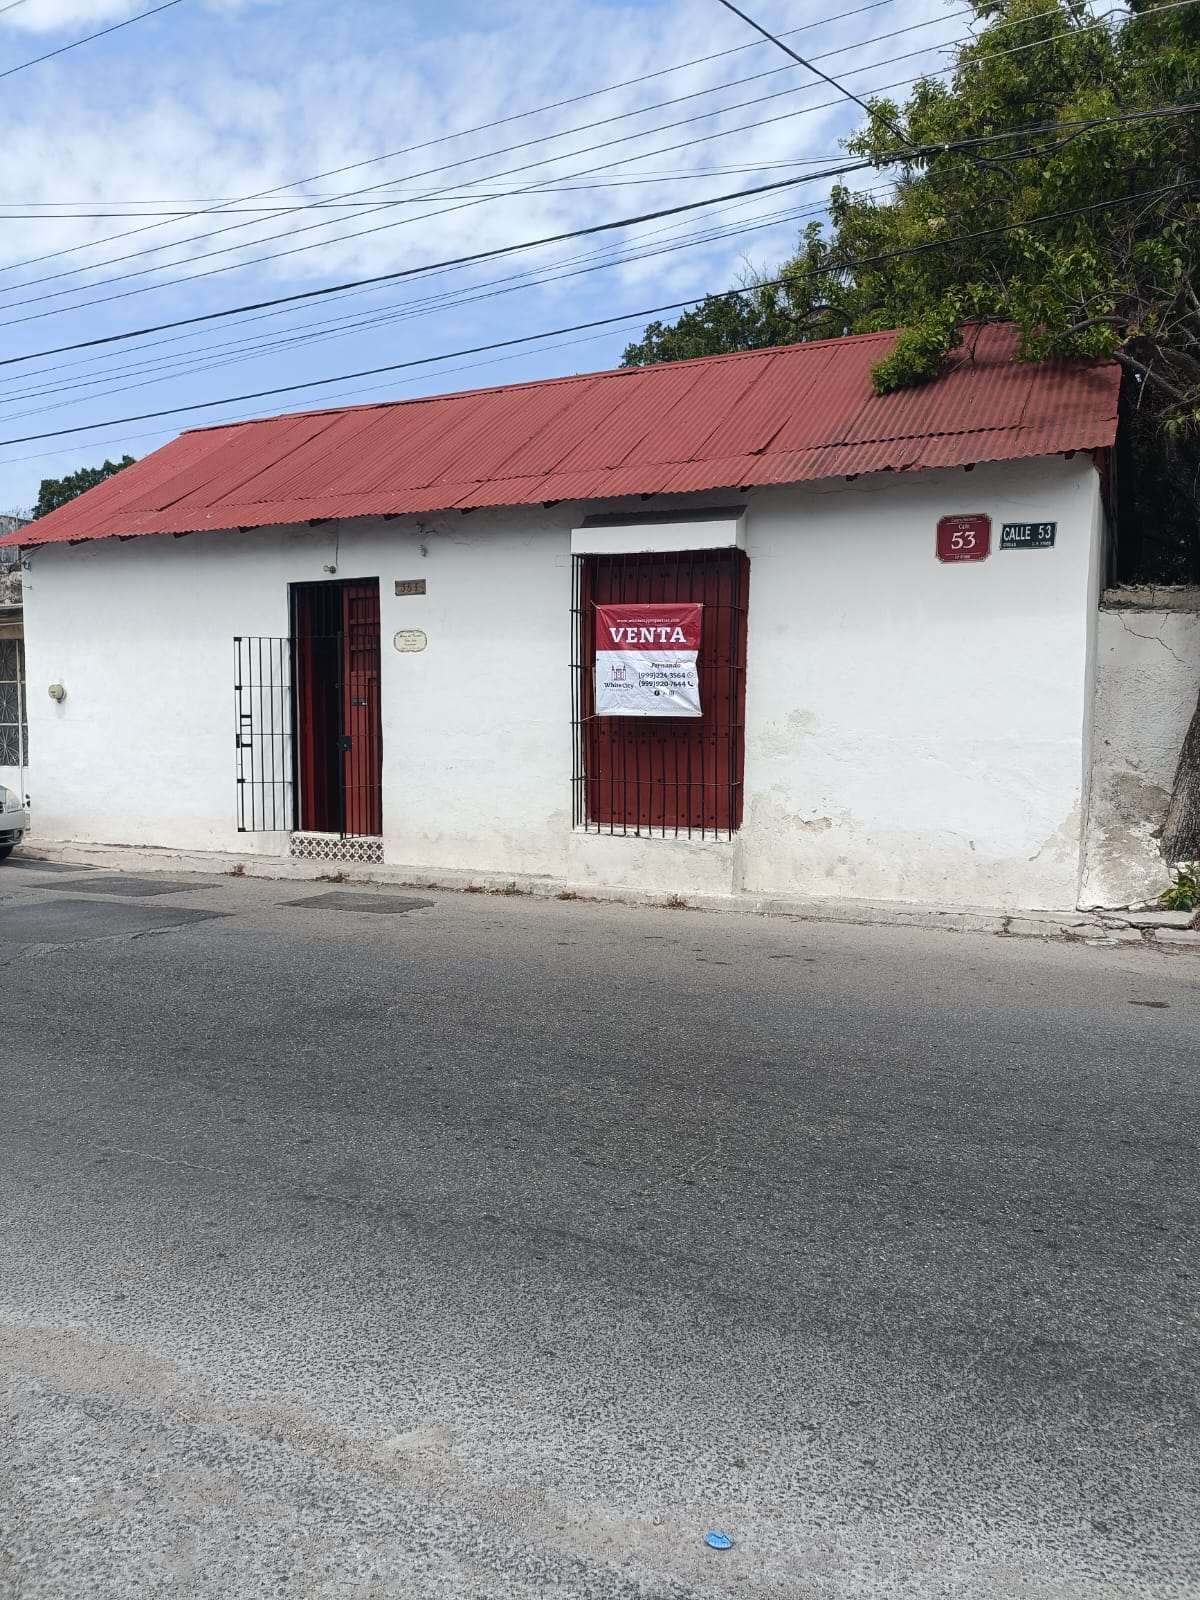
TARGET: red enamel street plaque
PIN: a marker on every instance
(964, 538)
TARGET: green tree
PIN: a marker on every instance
(55, 492)
(1052, 181)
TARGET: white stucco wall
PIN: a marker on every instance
(914, 730)
(1147, 680)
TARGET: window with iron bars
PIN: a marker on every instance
(663, 775)
(14, 724)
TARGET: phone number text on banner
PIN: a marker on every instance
(646, 661)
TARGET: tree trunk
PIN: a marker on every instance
(1181, 830)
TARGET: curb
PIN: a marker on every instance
(1090, 927)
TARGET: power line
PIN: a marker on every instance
(453, 261)
(469, 366)
(600, 322)
(483, 127)
(359, 321)
(832, 82)
(257, 347)
(87, 39)
(181, 366)
(464, 204)
(360, 283)
(545, 160)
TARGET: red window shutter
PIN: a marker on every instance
(666, 775)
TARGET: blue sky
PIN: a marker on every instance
(213, 101)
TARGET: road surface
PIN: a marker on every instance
(365, 1242)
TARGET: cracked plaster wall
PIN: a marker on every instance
(1147, 679)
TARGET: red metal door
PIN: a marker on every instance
(362, 721)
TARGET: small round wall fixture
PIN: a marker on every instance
(57, 693)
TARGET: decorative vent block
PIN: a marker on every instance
(332, 847)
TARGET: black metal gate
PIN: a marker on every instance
(266, 774)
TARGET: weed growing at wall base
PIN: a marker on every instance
(1184, 893)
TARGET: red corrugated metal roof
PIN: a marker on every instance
(786, 415)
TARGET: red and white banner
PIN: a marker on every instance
(646, 661)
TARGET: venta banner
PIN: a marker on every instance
(646, 661)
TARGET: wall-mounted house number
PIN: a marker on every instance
(410, 586)
(967, 538)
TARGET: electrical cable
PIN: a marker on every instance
(365, 319)
(473, 183)
(453, 261)
(462, 133)
(257, 346)
(275, 255)
(103, 33)
(504, 344)
(172, 368)
(354, 284)
(809, 66)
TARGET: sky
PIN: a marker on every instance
(221, 153)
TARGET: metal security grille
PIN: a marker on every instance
(14, 725)
(663, 775)
(266, 788)
(339, 731)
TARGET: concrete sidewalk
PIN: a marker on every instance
(1094, 927)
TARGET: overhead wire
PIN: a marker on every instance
(168, 369)
(453, 261)
(392, 383)
(257, 346)
(190, 277)
(328, 290)
(484, 127)
(539, 141)
(811, 66)
(503, 344)
(88, 38)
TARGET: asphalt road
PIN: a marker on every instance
(490, 1247)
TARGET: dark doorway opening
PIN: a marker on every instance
(339, 727)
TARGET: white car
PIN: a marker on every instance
(14, 821)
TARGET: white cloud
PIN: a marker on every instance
(216, 129)
(85, 16)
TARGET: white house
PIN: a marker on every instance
(371, 633)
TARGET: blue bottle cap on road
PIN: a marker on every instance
(718, 1541)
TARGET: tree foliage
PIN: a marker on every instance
(1085, 234)
(55, 492)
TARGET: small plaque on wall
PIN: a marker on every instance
(410, 641)
(410, 586)
(1028, 535)
(967, 538)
